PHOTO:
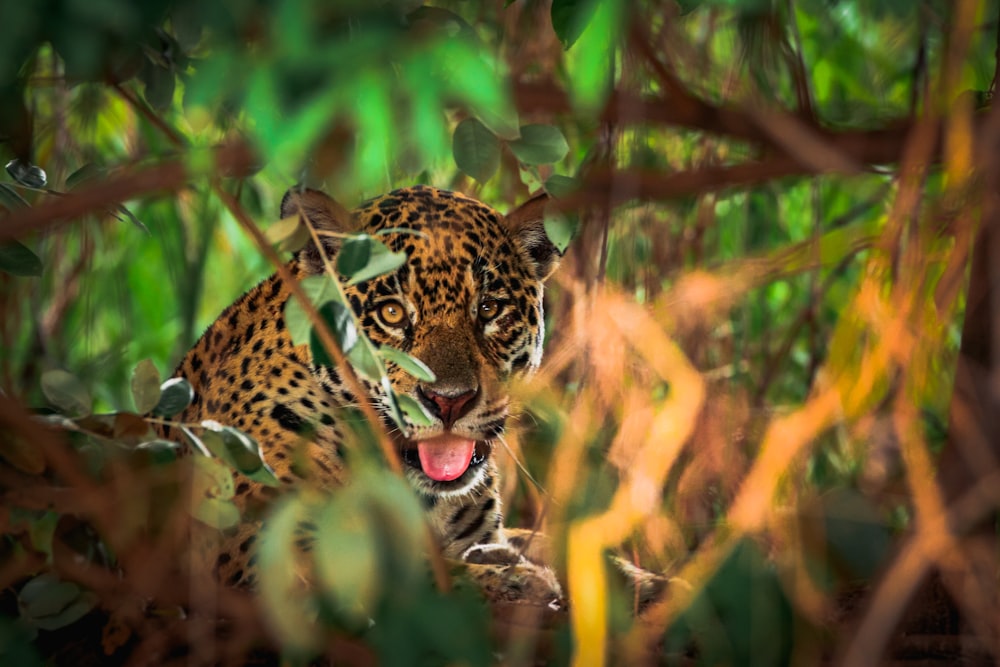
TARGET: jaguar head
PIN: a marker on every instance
(467, 303)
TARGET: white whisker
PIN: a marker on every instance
(520, 466)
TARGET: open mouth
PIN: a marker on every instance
(445, 457)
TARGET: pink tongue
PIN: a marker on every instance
(445, 457)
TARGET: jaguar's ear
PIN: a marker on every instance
(526, 225)
(324, 215)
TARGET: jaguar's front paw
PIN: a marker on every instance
(506, 576)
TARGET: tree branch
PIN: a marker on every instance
(878, 146)
(234, 159)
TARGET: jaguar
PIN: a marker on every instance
(467, 303)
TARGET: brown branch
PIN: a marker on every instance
(613, 188)
(233, 159)
(883, 145)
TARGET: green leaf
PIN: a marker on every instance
(239, 450)
(10, 199)
(395, 413)
(161, 451)
(195, 441)
(398, 515)
(212, 478)
(503, 123)
(145, 386)
(17, 260)
(354, 254)
(570, 18)
(86, 174)
(45, 595)
(27, 174)
(476, 150)
(365, 360)
(47, 603)
(66, 392)
(561, 186)
(291, 613)
(159, 83)
(217, 513)
(319, 289)
(411, 365)
(529, 176)
(122, 211)
(282, 229)
(72, 613)
(414, 410)
(539, 144)
(340, 321)
(347, 554)
(560, 229)
(363, 257)
(175, 395)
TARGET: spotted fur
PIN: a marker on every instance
(471, 300)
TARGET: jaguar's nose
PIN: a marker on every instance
(447, 406)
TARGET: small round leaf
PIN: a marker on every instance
(539, 144)
(160, 451)
(48, 603)
(476, 149)
(27, 174)
(560, 229)
(238, 450)
(175, 395)
(66, 392)
(145, 386)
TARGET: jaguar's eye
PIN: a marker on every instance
(393, 314)
(488, 310)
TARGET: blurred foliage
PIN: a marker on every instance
(777, 292)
